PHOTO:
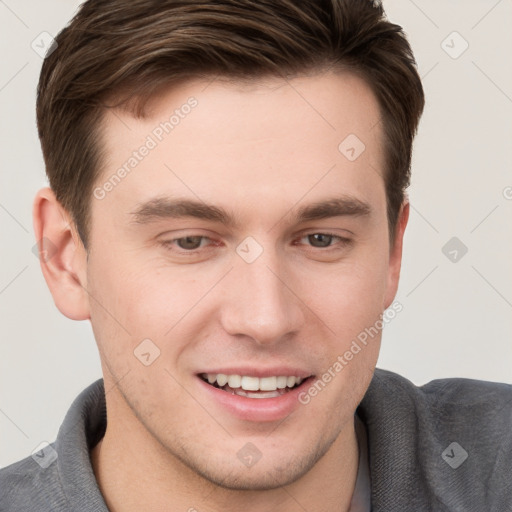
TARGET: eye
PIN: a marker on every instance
(325, 240)
(320, 239)
(186, 243)
(190, 242)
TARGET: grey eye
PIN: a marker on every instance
(189, 242)
(322, 239)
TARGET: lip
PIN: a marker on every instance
(256, 409)
(261, 372)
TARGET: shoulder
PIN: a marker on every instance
(454, 397)
(32, 484)
(59, 477)
(453, 435)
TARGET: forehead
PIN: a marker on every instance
(247, 142)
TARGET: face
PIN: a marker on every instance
(280, 264)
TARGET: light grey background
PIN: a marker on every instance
(457, 316)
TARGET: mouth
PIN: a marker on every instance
(254, 387)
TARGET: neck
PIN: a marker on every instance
(135, 472)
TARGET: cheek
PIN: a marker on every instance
(351, 306)
(135, 299)
(352, 309)
(351, 294)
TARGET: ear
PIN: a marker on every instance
(62, 256)
(395, 255)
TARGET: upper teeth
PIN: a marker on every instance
(252, 383)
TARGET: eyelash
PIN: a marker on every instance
(192, 252)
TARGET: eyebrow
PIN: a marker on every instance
(160, 208)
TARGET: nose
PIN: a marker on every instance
(260, 302)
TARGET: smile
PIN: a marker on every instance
(253, 387)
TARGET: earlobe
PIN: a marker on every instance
(62, 256)
(395, 256)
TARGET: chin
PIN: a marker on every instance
(269, 471)
(252, 478)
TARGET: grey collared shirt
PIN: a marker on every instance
(361, 499)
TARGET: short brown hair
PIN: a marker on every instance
(130, 49)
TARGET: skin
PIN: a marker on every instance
(260, 150)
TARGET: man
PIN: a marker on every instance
(227, 208)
